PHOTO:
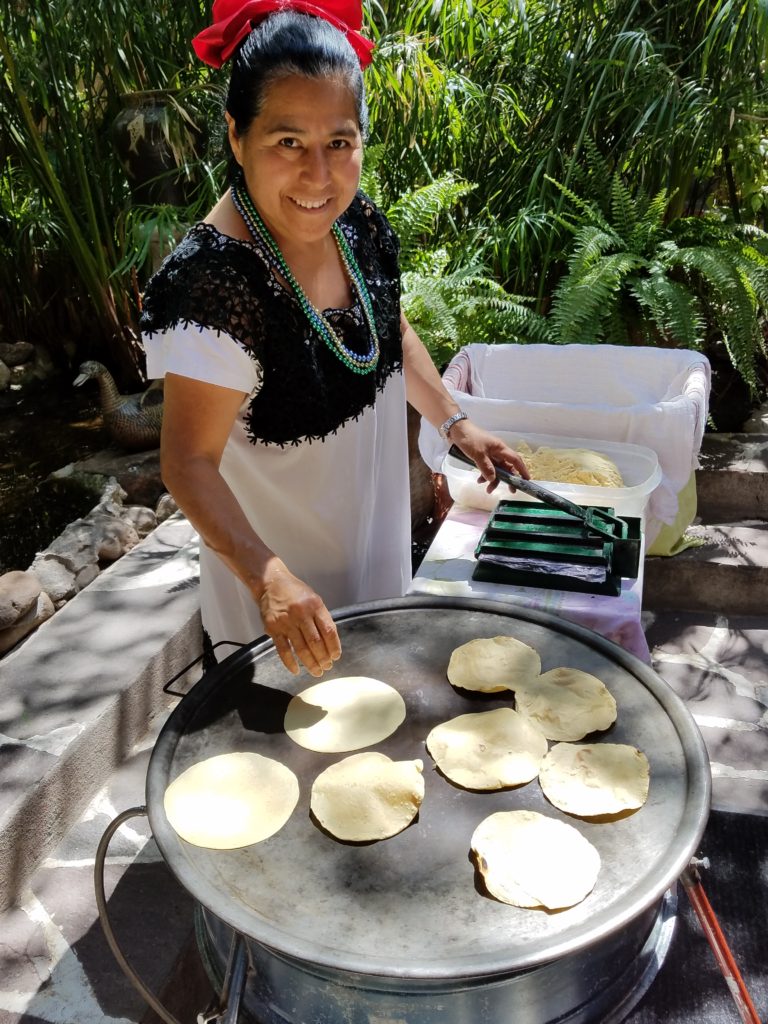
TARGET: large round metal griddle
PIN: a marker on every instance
(410, 906)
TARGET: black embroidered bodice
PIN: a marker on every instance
(214, 281)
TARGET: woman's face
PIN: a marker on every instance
(301, 156)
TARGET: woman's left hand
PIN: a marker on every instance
(485, 449)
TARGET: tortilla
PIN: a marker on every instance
(367, 796)
(567, 704)
(595, 778)
(488, 750)
(529, 860)
(493, 664)
(231, 800)
(344, 714)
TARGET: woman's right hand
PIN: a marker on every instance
(298, 622)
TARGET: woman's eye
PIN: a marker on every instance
(289, 142)
(339, 144)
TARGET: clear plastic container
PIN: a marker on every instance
(639, 468)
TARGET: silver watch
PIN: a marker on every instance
(445, 428)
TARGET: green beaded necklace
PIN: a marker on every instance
(258, 230)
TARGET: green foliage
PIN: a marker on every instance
(447, 294)
(63, 70)
(510, 95)
(632, 278)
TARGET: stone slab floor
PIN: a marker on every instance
(55, 966)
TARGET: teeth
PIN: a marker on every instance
(310, 206)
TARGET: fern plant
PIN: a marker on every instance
(447, 294)
(633, 278)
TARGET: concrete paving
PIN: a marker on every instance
(80, 711)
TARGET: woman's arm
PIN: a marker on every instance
(428, 395)
(197, 420)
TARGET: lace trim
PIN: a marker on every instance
(229, 285)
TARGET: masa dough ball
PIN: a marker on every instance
(231, 800)
(367, 796)
(567, 704)
(529, 860)
(595, 778)
(493, 664)
(571, 466)
(488, 750)
(344, 714)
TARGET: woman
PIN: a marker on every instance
(284, 434)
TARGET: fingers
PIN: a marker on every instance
(300, 626)
(313, 645)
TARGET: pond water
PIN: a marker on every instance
(42, 430)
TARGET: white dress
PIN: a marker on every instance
(332, 504)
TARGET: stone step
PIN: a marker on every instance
(77, 693)
(732, 481)
(724, 572)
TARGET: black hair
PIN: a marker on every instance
(290, 43)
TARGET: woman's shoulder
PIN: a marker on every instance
(365, 217)
(202, 248)
(205, 274)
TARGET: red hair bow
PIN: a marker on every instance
(234, 19)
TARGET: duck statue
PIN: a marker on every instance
(132, 421)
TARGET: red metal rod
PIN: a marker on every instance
(719, 945)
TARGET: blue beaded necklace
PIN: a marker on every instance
(259, 230)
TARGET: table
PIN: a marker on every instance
(447, 570)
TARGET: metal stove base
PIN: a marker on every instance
(264, 1000)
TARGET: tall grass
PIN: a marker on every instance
(64, 190)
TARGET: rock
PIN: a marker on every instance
(17, 352)
(19, 591)
(57, 580)
(44, 368)
(86, 575)
(115, 537)
(758, 421)
(102, 488)
(142, 519)
(77, 546)
(5, 377)
(41, 610)
(166, 507)
(138, 473)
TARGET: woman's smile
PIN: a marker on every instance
(301, 157)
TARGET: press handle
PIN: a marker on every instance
(545, 496)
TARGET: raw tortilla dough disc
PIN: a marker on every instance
(529, 860)
(488, 750)
(231, 800)
(590, 779)
(567, 704)
(367, 796)
(344, 714)
(498, 663)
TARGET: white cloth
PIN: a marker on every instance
(337, 512)
(653, 397)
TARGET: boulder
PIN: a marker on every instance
(19, 591)
(114, 536)
(5, 377)
(57, 580)
(41, 610)
(142, 519)
(137, 473)
(77, 546)
(166, 507)
(16, 352)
